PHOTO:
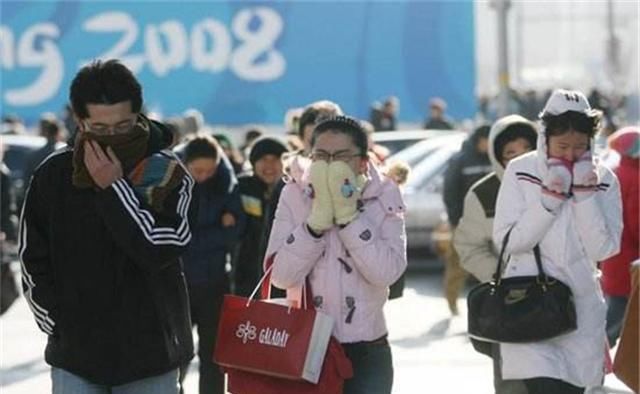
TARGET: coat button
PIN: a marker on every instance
(365, 235)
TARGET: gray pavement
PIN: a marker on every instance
(431, 351)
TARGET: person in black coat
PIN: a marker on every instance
(256, 189)
(8, 288)
(104, 224)
(52, 129)
(218, 223)
(437, 119)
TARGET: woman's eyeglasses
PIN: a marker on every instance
(337, 156)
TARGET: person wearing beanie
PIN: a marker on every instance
(266, 146)
(256, 189)
(464, 169)
(510, 137)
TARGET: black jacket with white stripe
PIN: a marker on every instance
(102, 273)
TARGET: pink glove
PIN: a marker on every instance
(556, 185)
(585, 177)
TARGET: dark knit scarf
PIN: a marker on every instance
(129, 148)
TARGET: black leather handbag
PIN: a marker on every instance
(520, 309)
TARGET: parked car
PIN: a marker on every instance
(426, 212)
(396, 141)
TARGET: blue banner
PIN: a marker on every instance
(244, 62)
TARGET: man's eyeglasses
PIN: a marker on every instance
(119, 128)
(328, 157)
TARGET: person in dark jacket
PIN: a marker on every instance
(52, 129)
(256, 189)
(465, 168)
(383, 118)
(437, 119)
(104, 224)
(8, 288)
(219, 220)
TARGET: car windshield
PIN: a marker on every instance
(397, 141)
(424, 171)
(418, 153)
(398, 145)
(433, 164)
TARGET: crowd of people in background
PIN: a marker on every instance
(278, 194)
(617, 110)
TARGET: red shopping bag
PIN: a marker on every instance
(335, 370)
(272, 339)
(269, 378)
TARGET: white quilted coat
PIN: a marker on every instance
(572, 241)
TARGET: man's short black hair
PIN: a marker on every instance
(104, 82)
(201, 147)
(346, 125)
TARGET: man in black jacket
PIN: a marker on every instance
(103, 226)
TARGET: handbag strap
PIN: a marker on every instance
(497, 276)
(541, 274)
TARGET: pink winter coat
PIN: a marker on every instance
(350, 269)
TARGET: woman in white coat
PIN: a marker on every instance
(562, 199)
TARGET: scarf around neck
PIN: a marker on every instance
(129, 148)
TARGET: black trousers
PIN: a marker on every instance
(206, 304)
(551, 386)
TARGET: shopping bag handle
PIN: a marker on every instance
(264, 285)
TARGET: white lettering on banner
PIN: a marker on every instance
(243, 61)
(167, 46)
(46, 56)
(175, 56)
(217, 59)
(112, 22)
(268, 336)
(6, 48)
